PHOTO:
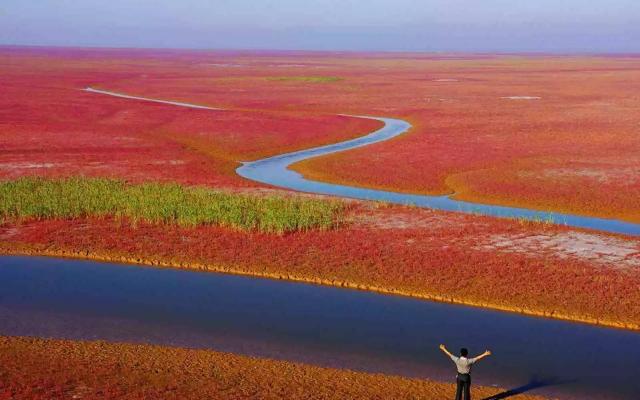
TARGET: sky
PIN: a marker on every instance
(600, 26)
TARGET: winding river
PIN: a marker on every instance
(275, 171)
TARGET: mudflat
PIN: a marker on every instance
(60, 369)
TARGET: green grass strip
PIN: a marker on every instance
(162, 203)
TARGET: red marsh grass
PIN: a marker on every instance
(534, 269)
(573, 149)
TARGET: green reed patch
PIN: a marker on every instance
(163, 203)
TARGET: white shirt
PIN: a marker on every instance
(463, 364)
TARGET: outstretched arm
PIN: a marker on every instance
(445, 351)
(487, 353)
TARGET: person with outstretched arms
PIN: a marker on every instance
(463, 366)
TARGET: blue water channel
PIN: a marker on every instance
(275, 171)
(61, 298)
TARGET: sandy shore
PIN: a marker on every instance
(61, 369)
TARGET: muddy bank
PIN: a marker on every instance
(56, 369)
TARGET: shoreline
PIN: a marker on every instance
(196, 266)
(81, 368)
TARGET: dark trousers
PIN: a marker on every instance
(464, 387)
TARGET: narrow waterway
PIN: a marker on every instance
(61, 298)
(275, 171)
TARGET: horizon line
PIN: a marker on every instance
(344, 51)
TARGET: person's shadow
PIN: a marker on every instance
(534, 383)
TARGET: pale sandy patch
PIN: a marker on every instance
(601, 175)
(445, 80)
(225, 65)
(521, 97)
(603, 250)
(126, 139)
(28, 165)
(288, 65)
(168, 162)
(398, 220)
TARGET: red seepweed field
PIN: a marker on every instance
(51, 127)
(545, 132)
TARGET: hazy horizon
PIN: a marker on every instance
(350, 25)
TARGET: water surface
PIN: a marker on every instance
(62, 298)
(275, 171)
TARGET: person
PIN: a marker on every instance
(463, 365)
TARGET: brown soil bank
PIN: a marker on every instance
(61, 369)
